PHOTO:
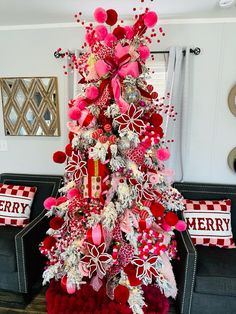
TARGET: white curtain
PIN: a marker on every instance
(177, 85)
(73, 78)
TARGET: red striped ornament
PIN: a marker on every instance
(95, 235)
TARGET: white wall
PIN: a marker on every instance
(30, 53)
(212, 128)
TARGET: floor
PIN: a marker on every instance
(38, 306)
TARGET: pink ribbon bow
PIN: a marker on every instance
(119, 68)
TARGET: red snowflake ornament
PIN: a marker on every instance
(146, 269)
(96, 260)
(130, 121)
(76, 167)
(144, 189)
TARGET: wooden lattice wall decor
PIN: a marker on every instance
(30, 106)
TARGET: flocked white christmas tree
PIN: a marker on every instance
(113, 223)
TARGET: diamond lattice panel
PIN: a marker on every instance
(30, 106)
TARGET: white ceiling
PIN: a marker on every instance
(23, 12)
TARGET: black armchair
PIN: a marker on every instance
(21, 263)
(206, 276)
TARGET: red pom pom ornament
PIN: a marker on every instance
(59, 157)
(171, 218)
(56, 223)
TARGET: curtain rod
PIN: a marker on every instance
(196, 51)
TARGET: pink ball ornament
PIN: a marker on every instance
(110, 40)
(72, 193)
(129, 32)
(101, 32)
(163, 154)
(181, 226)
(74, 113)
(49, 203)
(150, 19)
(100, 15)
(144, 52)
(92, 92)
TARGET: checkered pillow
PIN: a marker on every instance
(15, 204)
(209, 222)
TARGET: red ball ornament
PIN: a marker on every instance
(171, 218)
(121, 294)
(157, 210)
(119, 32)
(112, 17)
(59, 157)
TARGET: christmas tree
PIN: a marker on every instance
(112, 227)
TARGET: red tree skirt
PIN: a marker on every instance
(87, 301)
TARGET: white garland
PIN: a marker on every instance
(136, 300)
(109, 216)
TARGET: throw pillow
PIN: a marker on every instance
(15, 204)
(209, 222)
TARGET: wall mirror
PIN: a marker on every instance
(232, 160)
(30, 106)
(232, 100)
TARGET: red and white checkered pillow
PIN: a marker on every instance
(15, 204)
(209, 222)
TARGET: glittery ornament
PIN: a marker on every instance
(132, 94)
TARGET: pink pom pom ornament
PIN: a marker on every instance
(100, 15)
(129, 32)
(72, 193)
(150, 19)
(74, 113)
(144, 52)
(80, 103)
(163, 154)
(92, 92)
(110, 40)
(180, 226)
(49, 203)
(101, 32)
